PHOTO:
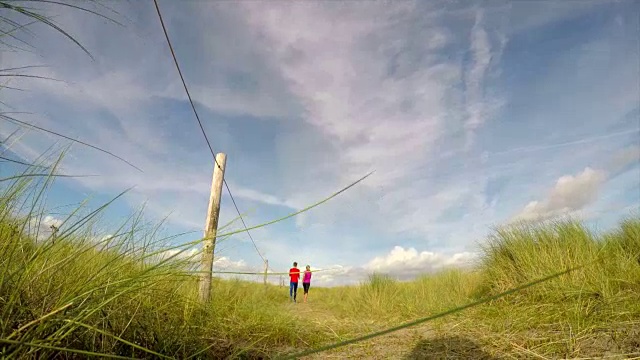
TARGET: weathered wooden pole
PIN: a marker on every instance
(266, 267)
(211, 227)
(54, 233)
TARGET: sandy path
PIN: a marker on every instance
(402, 344)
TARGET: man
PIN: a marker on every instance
(294, 275)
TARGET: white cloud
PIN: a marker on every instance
(570, 193)
(574, 193)
(406, 263)
(337, 275)
(400, 263)
(42, 227)
(224, 263)
(51, 221)
(181, 254)
(223, 266)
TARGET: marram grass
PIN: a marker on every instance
(67, 295)
(81, 295)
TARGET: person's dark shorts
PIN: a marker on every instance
(306, 287)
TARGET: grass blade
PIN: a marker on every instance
(29, 125)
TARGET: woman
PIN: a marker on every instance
(306, 282)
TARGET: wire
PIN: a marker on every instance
(241, 219)
(261, 273)
(175, 60)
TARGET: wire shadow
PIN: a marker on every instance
(451, 347)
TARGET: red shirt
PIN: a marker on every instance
(294, 274)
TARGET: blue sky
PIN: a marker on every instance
(473, 114)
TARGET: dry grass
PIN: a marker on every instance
(592, 312)
(81, 294)
(117, 296)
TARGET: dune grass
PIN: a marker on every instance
(80, 292)
(594, 311)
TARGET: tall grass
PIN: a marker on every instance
(76, 292)
(387, 300)
(79, 292)
(592, 311)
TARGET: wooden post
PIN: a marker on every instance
(211, 227)
(54, 233)
(266, 267)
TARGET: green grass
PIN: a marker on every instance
(82, 294)
(65, 295)
(590, 312)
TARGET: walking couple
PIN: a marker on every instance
(294, 274)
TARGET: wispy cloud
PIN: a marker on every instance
(480, 106)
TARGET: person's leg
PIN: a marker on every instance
(306, 290)
(295, 291)
(291, 290)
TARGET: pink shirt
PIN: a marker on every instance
(307, 277)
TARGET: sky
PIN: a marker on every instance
(472, 115)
